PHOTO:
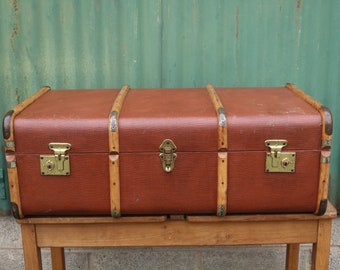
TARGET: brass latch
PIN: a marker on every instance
(278, 161)
(168, 155)
(57, 164)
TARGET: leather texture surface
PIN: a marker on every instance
(187, 117)
(77, 117)
(258, 114)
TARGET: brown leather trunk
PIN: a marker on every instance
(197, 184)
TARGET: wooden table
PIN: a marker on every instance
(292, 229)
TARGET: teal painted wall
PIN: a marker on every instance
(174, 43)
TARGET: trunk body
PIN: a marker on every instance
(188, 118)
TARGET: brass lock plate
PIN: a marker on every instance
(277, 160)
(58, 163)
(168, 155)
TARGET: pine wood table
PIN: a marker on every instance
(291, 229)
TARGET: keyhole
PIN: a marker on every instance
(50, 165)
(285, 162)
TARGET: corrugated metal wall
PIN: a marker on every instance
(174, 43)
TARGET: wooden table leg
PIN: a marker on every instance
(58, 258)
(321, 249)
(32, 254)
(292, 256)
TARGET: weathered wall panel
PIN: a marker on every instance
(177, 43)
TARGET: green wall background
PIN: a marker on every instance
(174, 43)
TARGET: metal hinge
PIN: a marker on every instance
(9, 144)
(326, 143)
(278, 161)
(57, 164)
(221, 211)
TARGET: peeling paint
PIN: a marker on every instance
(237, 22)
(17, 95)
(297, 32)
(298, 4)
(15, 29)
(298, 15)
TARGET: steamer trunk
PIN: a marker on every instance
(218, 143)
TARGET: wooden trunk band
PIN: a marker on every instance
(10, 152)
(114, 151)
(13, 182)
(326, 139)
(222, 121)
(9, 140)
(222, 158)
(324, 112)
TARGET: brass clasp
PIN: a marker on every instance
(278, 161)
(168, 155)
(57, 164)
